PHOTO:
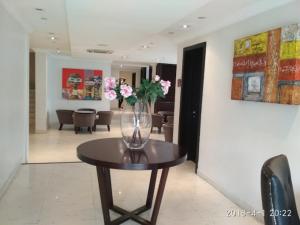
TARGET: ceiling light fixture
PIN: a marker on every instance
(53, 38)
(144, 46)
(185, 26)
(58, 51)
(100, 51)
(121, 65)
(124, 56)
(102, 45)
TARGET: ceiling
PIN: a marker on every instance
(135, 30)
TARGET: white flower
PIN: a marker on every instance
(165, 85)
(156, 78)
(165, 90)
(109, 83)
(110, 95)
(126, 90)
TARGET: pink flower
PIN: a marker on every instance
(165, 85)
(126, 90)
(109, 83)
(156, 78)
(110, 95)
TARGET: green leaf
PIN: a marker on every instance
(149, 91)
(131, 100)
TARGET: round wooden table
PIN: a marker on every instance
(111, 153)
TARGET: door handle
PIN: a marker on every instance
(194, 114)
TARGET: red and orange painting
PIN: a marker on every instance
(82, 84)
(266, 67)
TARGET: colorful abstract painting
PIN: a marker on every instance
(266, 67)
(80, 84)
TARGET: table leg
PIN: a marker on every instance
(104, 181)
(151, 188)
(160, 192)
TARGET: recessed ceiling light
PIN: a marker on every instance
(100, 51)
(53, 38)
(102, 45)
(145, 46)
(58, 51)
(185, 26)
(39, 9)
(201, 17)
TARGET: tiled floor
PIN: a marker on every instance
(67, 194)
(60, 146)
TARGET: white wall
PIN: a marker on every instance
(14, 89)
(238, 136)
(54, 84)
(41, 63)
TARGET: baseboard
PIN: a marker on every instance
(6, 185)
(238, 202)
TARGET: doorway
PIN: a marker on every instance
(191, 99)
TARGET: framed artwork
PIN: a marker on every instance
(82, 84)
(266, 67)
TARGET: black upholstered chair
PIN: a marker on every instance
(277, 193)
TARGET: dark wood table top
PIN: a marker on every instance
(112, 153)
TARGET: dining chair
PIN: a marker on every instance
(64, 117)
(277, 193)
(170, 120)
(87, 109)
(84, 120)
(103, 118)
(157, 121)
(168, 132)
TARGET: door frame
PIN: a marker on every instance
(181, 119)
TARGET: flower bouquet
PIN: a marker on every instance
(136, 119)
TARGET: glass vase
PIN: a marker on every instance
(136, 125)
